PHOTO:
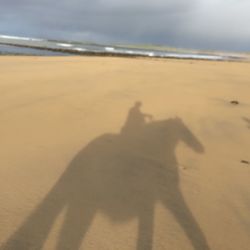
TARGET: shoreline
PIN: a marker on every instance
(115, 51)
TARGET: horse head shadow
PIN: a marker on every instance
(121, 175)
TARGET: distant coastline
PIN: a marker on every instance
(12, 45)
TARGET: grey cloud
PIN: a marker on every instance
(182, 23)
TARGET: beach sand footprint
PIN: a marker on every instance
(247, 120)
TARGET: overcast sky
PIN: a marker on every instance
(207, 24)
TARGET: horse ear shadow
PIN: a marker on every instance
(200, 149)
(196, 146)
(190, 139)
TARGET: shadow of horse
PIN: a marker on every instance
(121, 175)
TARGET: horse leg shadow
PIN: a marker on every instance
(34, 231)
(186, 220)
(146, 228)
(76, 224)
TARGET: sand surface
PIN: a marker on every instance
(84, 165)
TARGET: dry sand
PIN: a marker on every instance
(83, 167)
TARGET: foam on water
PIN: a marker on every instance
(20, 38)
(66, 45)
(79, 49)
(194, 56)
(110, 49)
(130, 52)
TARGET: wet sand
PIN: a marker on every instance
(114, 153)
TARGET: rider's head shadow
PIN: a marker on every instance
(122, 176)
(136, 119)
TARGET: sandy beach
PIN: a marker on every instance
(103, 153)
